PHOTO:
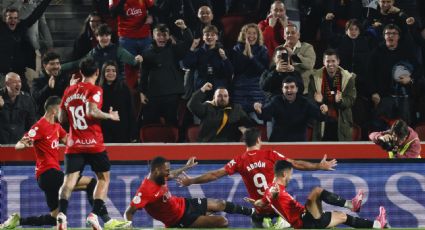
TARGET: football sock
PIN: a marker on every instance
(332, 198)
(357, 222)
(38, 220)
(90, 190)
(100, 210)
(63, 206)
(234, 208)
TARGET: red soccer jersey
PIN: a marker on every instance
(285, 205)
(132, 23)
(46, 138)
(159, 203)
(256, 169)
(85, 133)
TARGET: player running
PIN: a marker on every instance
(80, 107)
(311, 215)
(178, 212)
(256, 168)
(45, 136)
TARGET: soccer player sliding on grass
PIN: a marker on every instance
(255, 166)
(311, 214)
(178, 212)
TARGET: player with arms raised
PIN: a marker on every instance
(256, 168)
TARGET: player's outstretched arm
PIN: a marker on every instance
(23, 143)
(98, 114)
(257, 203)
(176, 172)
(204, 178)
(306, 166)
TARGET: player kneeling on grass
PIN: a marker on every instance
(311, 215)
(45, 136)
(178, 212)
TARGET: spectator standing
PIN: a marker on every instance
(220, 120)
(209, 61)
(86, 40)
(290, 113)
(17, 110)
(161, 82)
(273, 26)
(106, 50)
(302, 54)
(116, 94)
(134, 30)
(14, 46)
(250, 59)
(333, 86)
(392, 74)
(386, 13)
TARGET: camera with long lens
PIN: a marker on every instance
(389, 145)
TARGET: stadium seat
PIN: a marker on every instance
(263, 129)
(192, 133)
(420, 129)
(159, 133)
(357, 133)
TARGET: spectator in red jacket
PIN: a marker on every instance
(273, 27)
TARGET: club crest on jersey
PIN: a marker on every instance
(138, 198)
(255, 165)
(33, 132)
(96, 97)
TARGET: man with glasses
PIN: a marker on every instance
(393, 70)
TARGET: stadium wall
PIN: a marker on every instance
(397, 185)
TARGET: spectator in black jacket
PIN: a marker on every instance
(14, 45)
(209, 61)
(392, 73)
(17, 110)
(52, 81)
(161, 81)
(116, 95)
(290, 112)
(86, 40)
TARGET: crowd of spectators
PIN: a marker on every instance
(296, 67)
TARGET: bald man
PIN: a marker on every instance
(17, 110)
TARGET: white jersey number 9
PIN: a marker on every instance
(260, 182)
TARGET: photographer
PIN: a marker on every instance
(400, 141)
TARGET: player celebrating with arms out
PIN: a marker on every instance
(45, 136)
(178, 212)
(256, 168)
(311, 215)
(80, 107)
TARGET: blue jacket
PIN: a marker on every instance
(246, 82)
(210, 66)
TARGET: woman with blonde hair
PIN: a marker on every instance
(249, 59)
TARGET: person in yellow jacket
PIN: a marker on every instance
(400, 141)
